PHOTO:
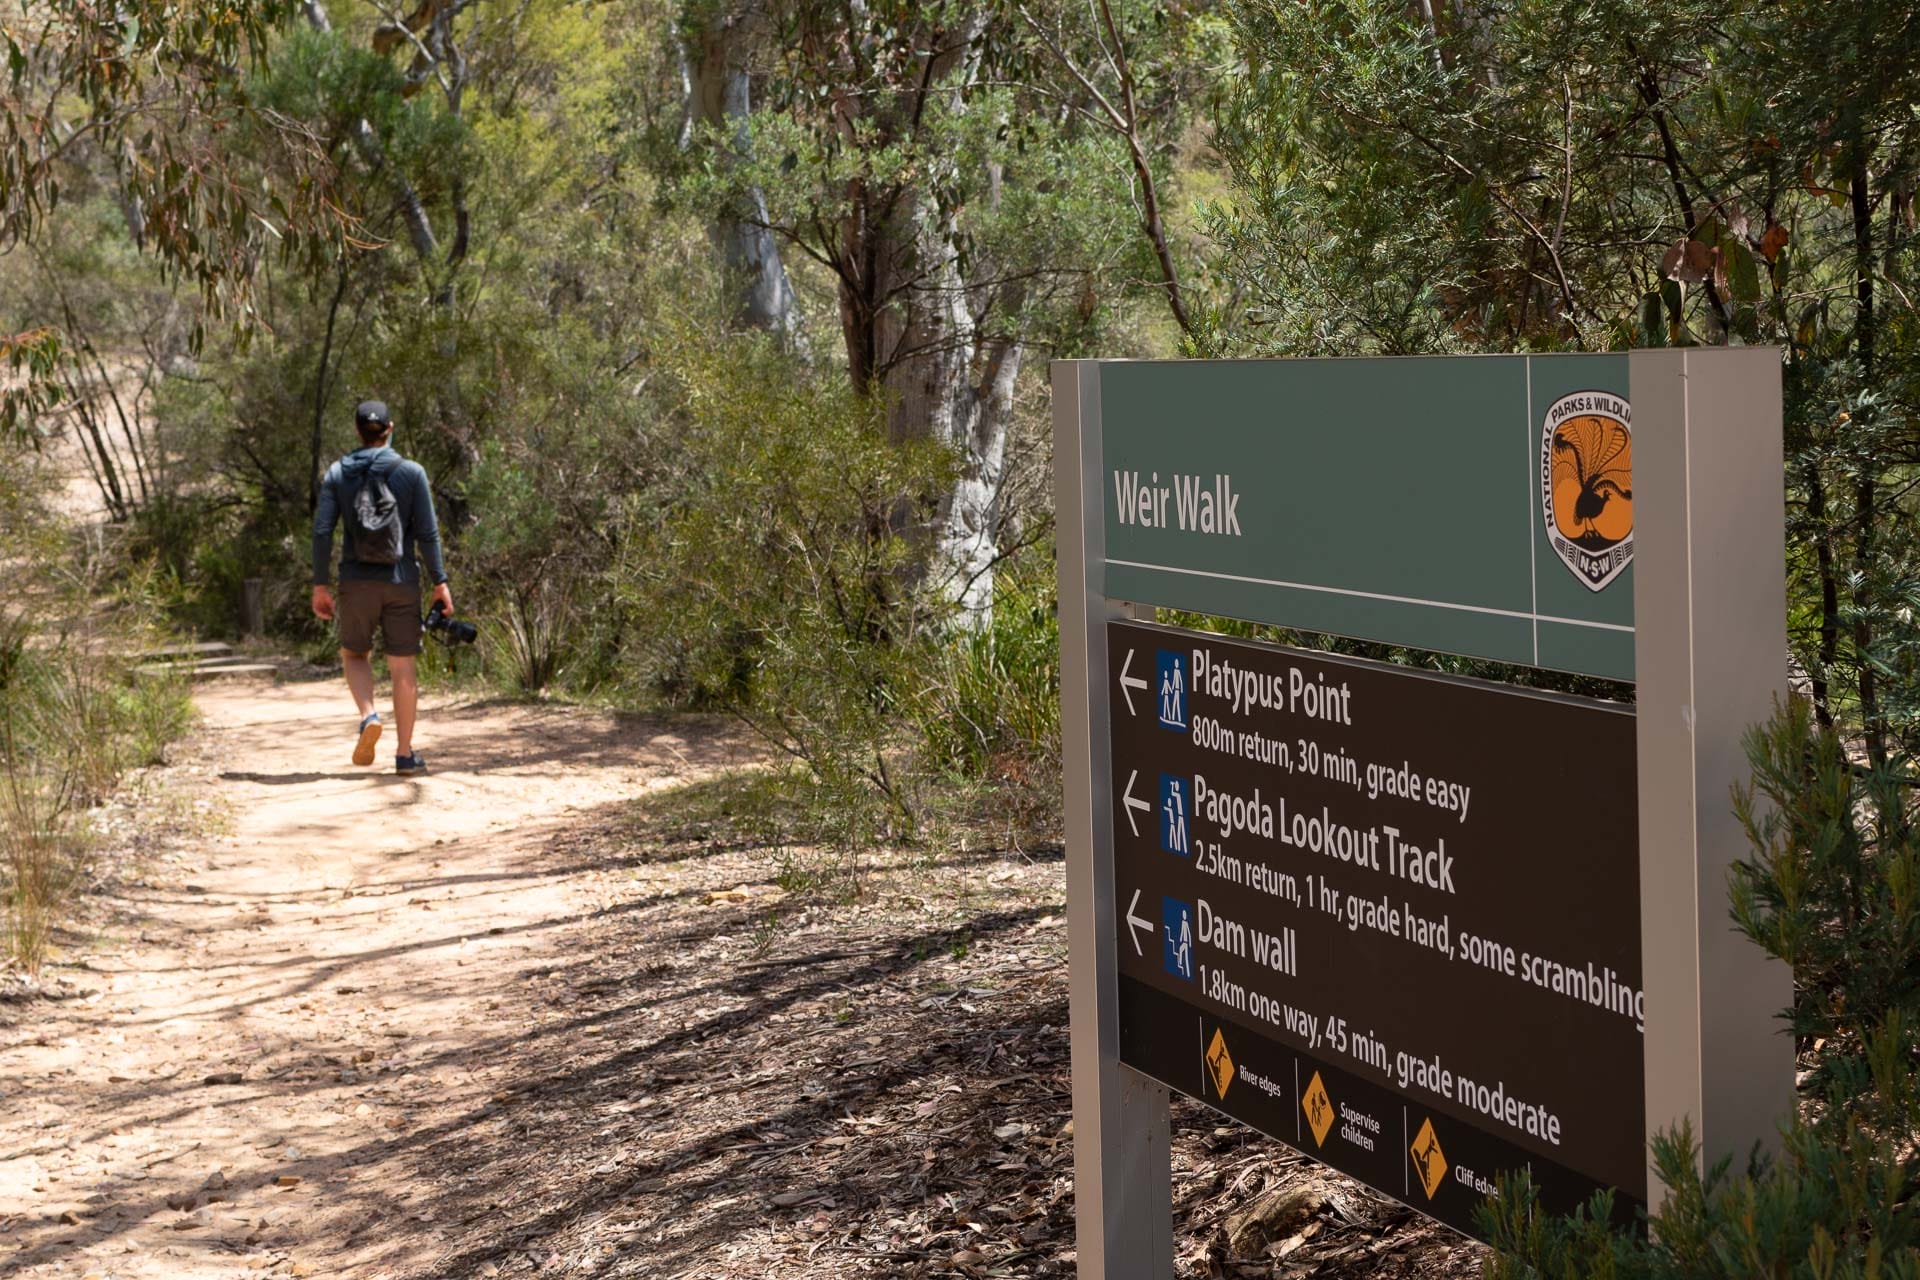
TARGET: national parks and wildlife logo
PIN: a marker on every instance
(1586, 484)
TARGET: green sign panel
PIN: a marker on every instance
(1472, 505)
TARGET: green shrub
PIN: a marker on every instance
(767, 572)
(1835, 1204)
(74, 718)
(991, 696)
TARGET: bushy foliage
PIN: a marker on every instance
(147, 99)
(1833, 888)
(1601, 176)
(765, 573)
(986, 702)
(765, 576)
(1833, 1205)
(74, 716)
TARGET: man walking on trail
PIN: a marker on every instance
(387, 506)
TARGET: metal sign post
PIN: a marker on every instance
(1710, 646)
(1428, 930)
(1122, 1174)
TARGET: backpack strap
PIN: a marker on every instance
(382, 468)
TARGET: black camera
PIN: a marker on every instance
(448, 630)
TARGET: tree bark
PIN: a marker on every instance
(945, 378)
(945, 352)
(719, 96)
(1866, 483)
(318, 441)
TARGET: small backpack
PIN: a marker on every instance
(373, 517)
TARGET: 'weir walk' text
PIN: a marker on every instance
(1197, 505)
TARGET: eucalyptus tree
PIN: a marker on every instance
(429, 39)
(149, 99)
(718, 43)
(385, 92)
(965, 198)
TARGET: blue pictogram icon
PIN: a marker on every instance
(1176, 925)
(1172, 687)
(1173, 814)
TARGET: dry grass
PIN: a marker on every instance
(73, 721)
(73, 717)
(41, 853)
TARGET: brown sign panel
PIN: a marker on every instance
(1388, 917)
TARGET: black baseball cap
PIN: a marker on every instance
(371, 413)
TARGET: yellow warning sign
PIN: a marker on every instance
(1219, 1064)
(1428, 1160)
(1319, 1109)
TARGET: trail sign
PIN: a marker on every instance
(1480, 505)
(1408, 907)
(1428, 930)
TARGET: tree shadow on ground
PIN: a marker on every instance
(695, 1086)
(814, 1086)
(655, 1058)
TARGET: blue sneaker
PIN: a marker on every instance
(404, 765)
(369, 738)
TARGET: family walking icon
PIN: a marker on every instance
(1173, 690)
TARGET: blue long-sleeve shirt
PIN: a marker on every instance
(414, 496)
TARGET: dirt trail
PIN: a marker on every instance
(329, 979)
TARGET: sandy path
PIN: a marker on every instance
(355, 947)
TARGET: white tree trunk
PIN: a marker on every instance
(912, 325)
(945, 380)
(969, 543)
(718, 94)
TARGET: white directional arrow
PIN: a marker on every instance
(1133, 803)
(1130, 682)
(1135, 924)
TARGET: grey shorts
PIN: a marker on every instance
(393, 607)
